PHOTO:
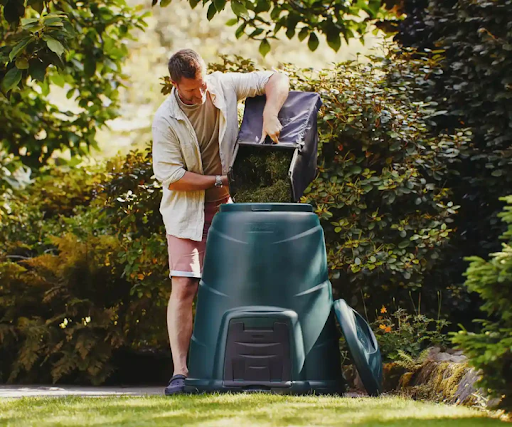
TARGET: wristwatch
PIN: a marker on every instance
(218, 181)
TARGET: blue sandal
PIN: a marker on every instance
(176, 385)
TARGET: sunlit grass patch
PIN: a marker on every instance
(237, 410)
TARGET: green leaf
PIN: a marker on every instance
(313, 42)
(18, 48)
(276, 11)
(263, 6)
(290, 32)
(54, 45)
(403, 244)
(11, 79)
(232, 22)
(58, 79)
(53, 20)
(28, 21)
(89, 66)
(355, 169)
(256, 32)
(333, 38)
(219, 4)
(240, 30)
(37, 70)
(193, 3)
(211, 12)
(374, 6)
(239, 9)
(164, 3)
(13, 10)
(264, 47)
(36, 5)
(303, 33)
(22, 63)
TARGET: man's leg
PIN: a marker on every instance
(179, 320)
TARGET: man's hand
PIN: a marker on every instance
(276, 89)
(271, 127)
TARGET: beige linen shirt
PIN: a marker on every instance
(176, 148)
(204, 118)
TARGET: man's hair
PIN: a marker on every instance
(185, 63)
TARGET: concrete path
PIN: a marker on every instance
(13, 391)
(16, 391)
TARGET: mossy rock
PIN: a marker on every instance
(441, 382)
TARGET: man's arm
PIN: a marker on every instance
(193, 181)
(169, 165)
(276, 91)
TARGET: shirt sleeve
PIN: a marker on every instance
(250, 84)
(168, 163)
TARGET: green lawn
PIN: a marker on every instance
(236, 410)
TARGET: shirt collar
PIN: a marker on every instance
(174, 108)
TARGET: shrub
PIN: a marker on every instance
(490, 349)
(380, 191)
(131, 198)
(68, 303)
(62, 311)
(40, 209)
(401, 334)
(472, 42)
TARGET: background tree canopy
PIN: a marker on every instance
(471, 41)
(77, 45)
(263, 19)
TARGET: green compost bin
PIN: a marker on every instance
(264, 317)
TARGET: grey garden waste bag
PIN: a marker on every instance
(299, 138)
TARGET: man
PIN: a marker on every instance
(194, 133)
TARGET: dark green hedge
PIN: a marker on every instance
(471, 41)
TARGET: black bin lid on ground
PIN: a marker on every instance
(362, 346)
(298, 116)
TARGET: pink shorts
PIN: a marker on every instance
(186, 256)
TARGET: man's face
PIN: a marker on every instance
(191, 91)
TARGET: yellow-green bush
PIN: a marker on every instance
(68, 303)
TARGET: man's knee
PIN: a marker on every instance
(184, 288)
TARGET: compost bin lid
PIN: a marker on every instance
(362, 346)
(263, 207)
